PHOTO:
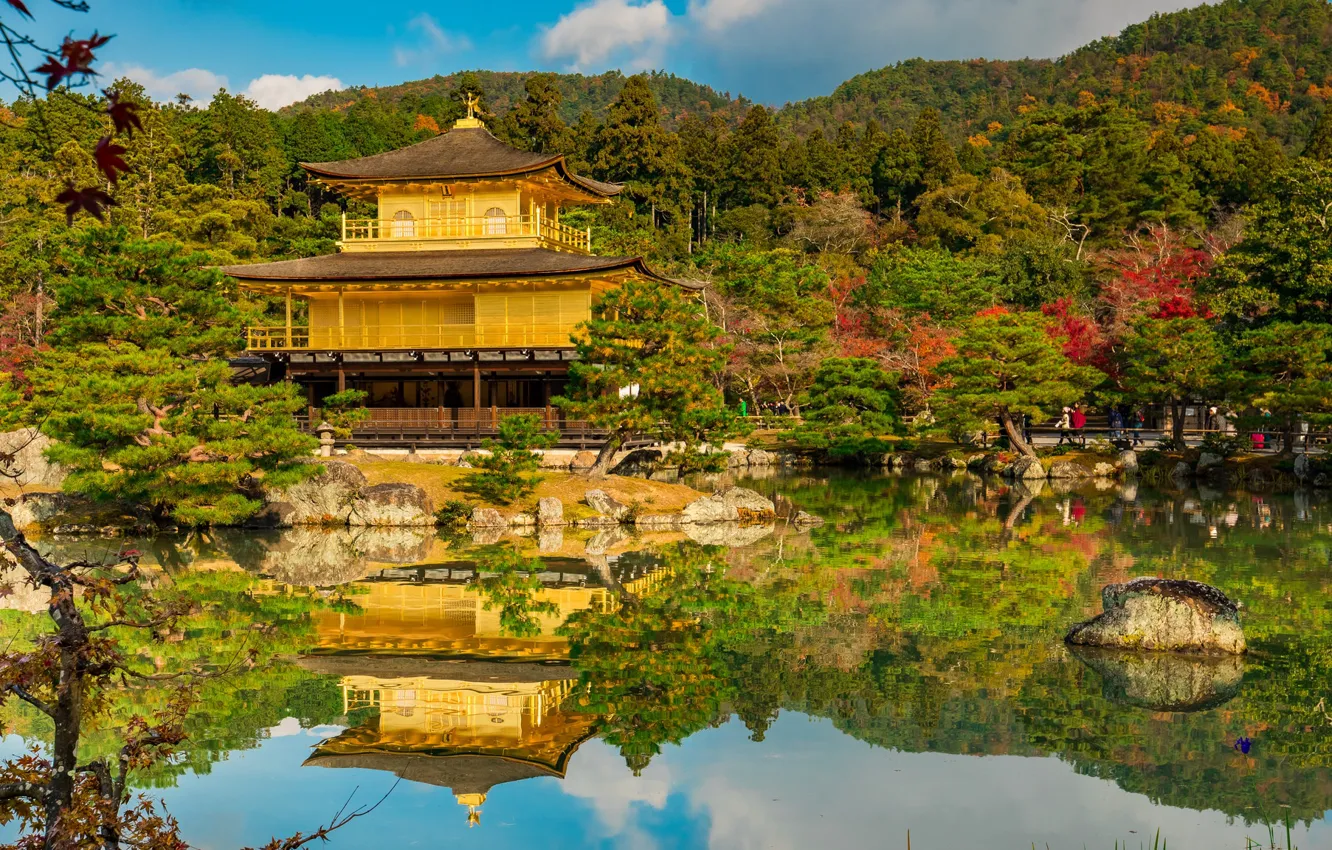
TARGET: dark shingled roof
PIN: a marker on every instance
(461, 152)
(439, 265)
(461, 774)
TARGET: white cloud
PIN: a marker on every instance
(435, 42)
(195, 82)
(274, 91)
(609, 32)
(270, 91)
(719, 14)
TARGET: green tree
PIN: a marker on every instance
(754, 168)
(633, 148)
(851, 403)
(947, 286)
(536, 118)
(506, 473)
(979, 215)
(1175, 360)
(648, 363)
(938, 160)
(1007, 366)
(1286, 368)
(1283, 266)
(174, 435)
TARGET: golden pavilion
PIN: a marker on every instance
(456, 305)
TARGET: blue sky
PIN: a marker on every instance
(770, 50)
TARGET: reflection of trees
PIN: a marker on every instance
(511, 583)
(942, 633)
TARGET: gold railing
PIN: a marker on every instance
(362, 230)
(411, 337)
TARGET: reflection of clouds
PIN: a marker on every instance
(291, 726)
(810, 785)
(598, 774)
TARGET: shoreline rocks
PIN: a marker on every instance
(1167, 615)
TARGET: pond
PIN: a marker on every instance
(898, 669)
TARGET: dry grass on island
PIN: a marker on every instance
(444, 484)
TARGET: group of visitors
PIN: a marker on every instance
(1072, 425)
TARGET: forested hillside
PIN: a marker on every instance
(505, 89)
(1240, 64)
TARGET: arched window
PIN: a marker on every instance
(404, 225)
(497, 223)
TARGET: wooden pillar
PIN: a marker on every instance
(342, 378)
(342, 324)
(476, 387)
(289, 340)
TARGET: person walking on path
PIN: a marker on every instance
(1139, 422)
(1116, 424)
(1063, 426)
(1079, 421)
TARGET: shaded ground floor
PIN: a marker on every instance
(436, 398)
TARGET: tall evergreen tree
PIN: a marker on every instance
(536, 119)
(938, 160)
(634, 148)
(754, 171)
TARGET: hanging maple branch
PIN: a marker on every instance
(68, 66)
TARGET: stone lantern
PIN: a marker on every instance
(325, 433)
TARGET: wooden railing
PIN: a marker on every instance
(395, 425)
(411, 337)
(363, 230)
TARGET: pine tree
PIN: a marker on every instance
(536, 119)
(754, 171)
(1008, 366)
(938, 160)
(1176, 360)
(634, 148)
(1320, 141)
(647, 364)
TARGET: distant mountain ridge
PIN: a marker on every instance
(1239, 64)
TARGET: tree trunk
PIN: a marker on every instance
(1014, 434)
(605, 456)
(1177, 421)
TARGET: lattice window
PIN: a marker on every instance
(404, 224)
(497, 223)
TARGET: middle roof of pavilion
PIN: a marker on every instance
(459, 155)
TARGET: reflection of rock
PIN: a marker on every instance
(314, 557)
(657, 522)
(550, 540)
(603, 540)
(1164, 681)
(394, 545)
(23, 463)
(1163, 614)
(727, 533)
(1067, 469)
(487, 535)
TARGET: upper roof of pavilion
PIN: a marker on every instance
(466, 152)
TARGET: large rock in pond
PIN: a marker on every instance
(729, 505)
(323, 499)
(1025, 469)
(606, 504)
(550, 512)
(1067, 470)
(392, 505)
(1128, 462)
(1164, 681)
(1163, 614)
(23, 460)
(487, 518)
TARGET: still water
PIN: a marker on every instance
(899, 668)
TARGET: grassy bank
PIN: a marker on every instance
(448, 483)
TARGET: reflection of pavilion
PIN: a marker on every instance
(437, 612)
(467, 734)
(455, 702)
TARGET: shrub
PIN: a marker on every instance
(1222, 445)
(505, 475)
(455, 512)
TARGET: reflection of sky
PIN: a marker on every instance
(807, 785)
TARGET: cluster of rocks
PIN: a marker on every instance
(1021, 469)
(343, 496)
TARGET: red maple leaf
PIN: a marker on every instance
(19, 6)
(110, 158)
(124, 114)
(94, 201)
(78, 59)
